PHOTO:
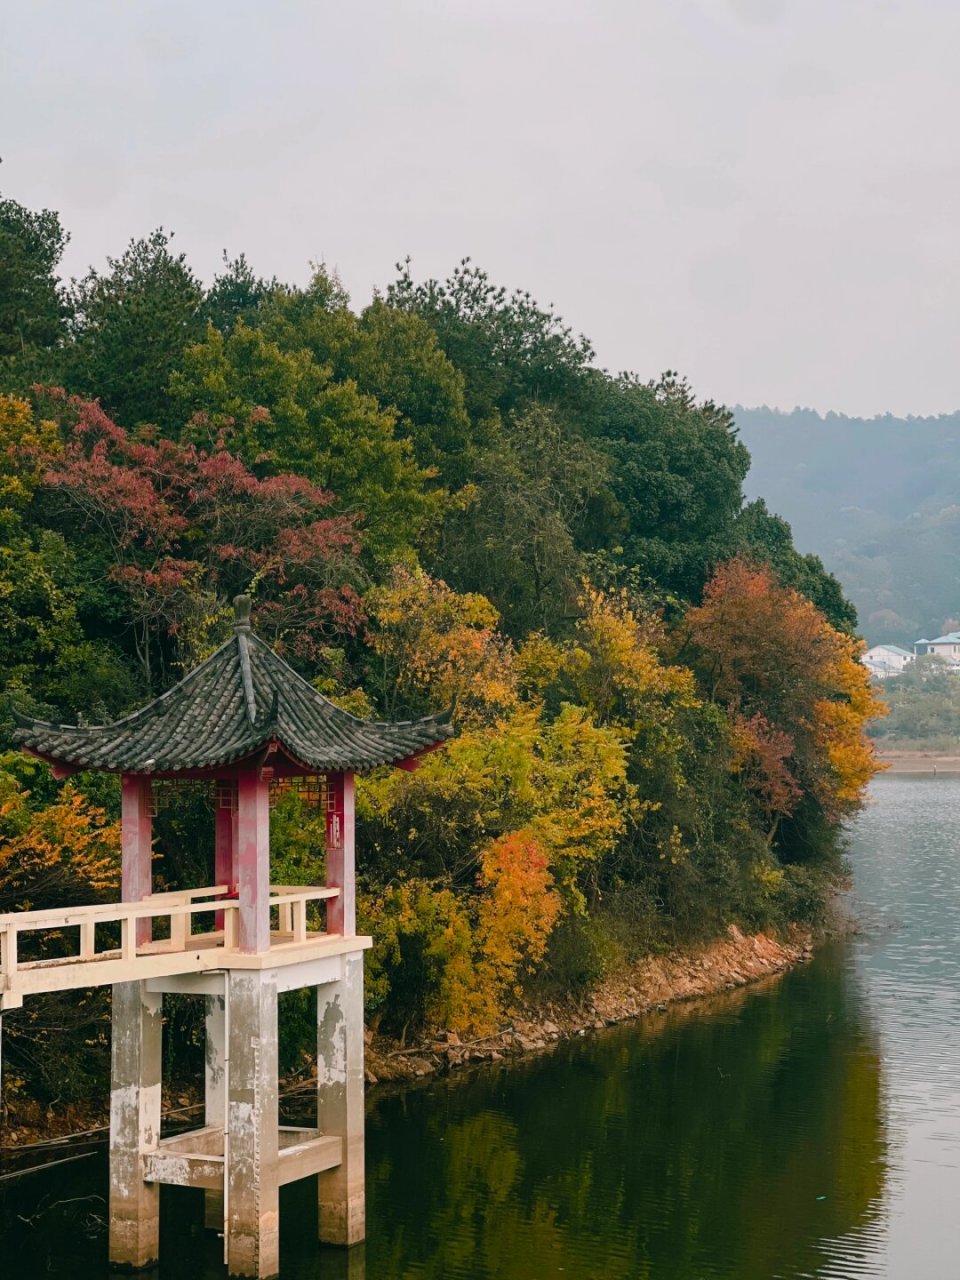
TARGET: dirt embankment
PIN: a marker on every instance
(732, 961)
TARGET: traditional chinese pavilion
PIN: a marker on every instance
(240, 727)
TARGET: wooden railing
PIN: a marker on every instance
(180, 908)
(292, 901)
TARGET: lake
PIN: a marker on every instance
(804, 1127)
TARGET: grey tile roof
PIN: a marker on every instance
(241, 699)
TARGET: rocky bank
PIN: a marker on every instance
(731, 961)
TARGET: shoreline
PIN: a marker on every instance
(918, 761)
(651, 985)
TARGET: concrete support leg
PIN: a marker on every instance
(215, 1094)
(253, 1195)
(134, 1125)
(344, 1264)
(340, 1102)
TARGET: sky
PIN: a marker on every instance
(761, 194)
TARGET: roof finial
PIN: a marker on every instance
(241, 613)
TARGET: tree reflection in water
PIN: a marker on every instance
(740, 1139)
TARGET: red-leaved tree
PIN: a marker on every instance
(184, 529)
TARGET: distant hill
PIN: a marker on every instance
(878, 499)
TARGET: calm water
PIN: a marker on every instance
(807, 1128)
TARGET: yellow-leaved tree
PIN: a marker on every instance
(483, 845)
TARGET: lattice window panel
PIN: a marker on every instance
(312, 789)
(165, 792)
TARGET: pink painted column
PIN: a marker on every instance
(341, 855)
(253, 860)
(136, 825)
(225, 845)
(224, 858)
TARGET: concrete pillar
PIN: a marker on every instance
(341, 855)
(253, 1194)
(344, 1264)
(215, 1093)
(340, 1102)
(136, 825)
(253, 860)
(134, 1125)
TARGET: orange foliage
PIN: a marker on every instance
(518, 910)
(775, 662)
(471, 951)
(839, 723)
(765, 645)
(64, 855)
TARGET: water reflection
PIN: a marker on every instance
(729, 1143)
(743, 1138)
(807, 1129)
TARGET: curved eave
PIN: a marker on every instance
(263, 753)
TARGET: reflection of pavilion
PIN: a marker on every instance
(239, 727)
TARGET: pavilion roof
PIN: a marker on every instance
(240, 702)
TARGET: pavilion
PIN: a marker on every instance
(239, 728)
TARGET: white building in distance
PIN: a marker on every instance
(886, 660)
(946, 647)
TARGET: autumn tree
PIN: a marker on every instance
(287, 413)
(64, 854)
(61, 853)
(47, 660)
(493, 837)
(433, 648)
(761, 536)
(796, 686)
(184, 529)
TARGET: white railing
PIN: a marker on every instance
(292, 901)
(179, 908)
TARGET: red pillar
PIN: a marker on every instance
(136, 825)
(253, 860)
(225, 860)
(341, 855)
(225, 841)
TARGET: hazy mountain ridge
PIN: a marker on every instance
(877, 498)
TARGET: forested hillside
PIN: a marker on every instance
(877, 499)
(435, 498)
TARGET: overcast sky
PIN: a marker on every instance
(763, 194)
